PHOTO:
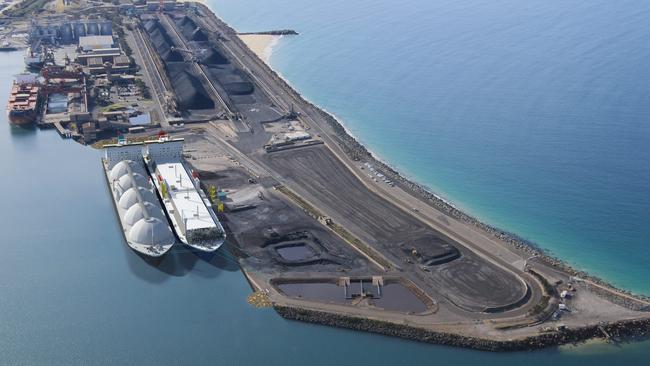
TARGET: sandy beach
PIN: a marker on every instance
(260, 44)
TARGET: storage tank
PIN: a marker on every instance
(92, 29)
(124, 183)
(138, 212)
(66, 34)
(106, 28)
(79, 30)
(122, 168)
(152, 231)
(130, 197)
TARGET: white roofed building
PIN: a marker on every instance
(92, 43)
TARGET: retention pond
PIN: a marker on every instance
(295, 252)
(391, 296)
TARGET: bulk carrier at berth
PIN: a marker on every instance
(24, 100)
(188, 208)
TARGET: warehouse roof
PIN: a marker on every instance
(89, 43)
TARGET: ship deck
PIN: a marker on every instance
(186, 199)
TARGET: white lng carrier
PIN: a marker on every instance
(187, 207)
(143, 221)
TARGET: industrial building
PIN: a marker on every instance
(92, 43)
(59, 33)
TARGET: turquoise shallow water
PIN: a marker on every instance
(532, 115)
(72, 293)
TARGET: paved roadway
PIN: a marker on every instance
(151, 72)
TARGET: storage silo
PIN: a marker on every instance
(79, 30)
(106, 28)
(66, 34)
(92, 29)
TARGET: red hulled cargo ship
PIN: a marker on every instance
(24, 99)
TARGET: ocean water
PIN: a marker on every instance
(73, 293)
(533, 115)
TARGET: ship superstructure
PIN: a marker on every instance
(34, 58)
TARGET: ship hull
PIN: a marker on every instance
(205, 247)
(34, 66)
(142, 250)
(20, 119)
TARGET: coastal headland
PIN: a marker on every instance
(327, 233)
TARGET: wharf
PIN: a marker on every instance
(64, 132)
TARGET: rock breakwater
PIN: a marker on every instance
(622, 331)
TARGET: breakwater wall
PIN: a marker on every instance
(280, 32)
(357, 152)
(622, 330)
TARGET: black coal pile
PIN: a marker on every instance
(162, 42)
(190, 92)
(198, 35)
(239, 88)
(190, 30)
(214, 57)
(233, 81)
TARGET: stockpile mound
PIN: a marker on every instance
(198, 35)
(162, 42)
(429, 249)
(233, 81)
(214, 57)
(190, 93)
(190, 30)
(239, 88)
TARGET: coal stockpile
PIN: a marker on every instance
(190, 30)
(239, 88)
(236, 84)
(162, 42)
(429, 249)
(214, 57)
(218, 68)
(190, 93)
(198, 36)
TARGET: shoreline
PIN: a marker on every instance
(357, 152)
(261, 44)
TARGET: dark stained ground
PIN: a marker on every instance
(258, 232)
(467, 280)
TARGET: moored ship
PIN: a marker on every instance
(34, 60)
(144, 224)
(24, 100)
(6, 46)
(188, 208)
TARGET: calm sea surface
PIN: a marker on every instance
(531, 115)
